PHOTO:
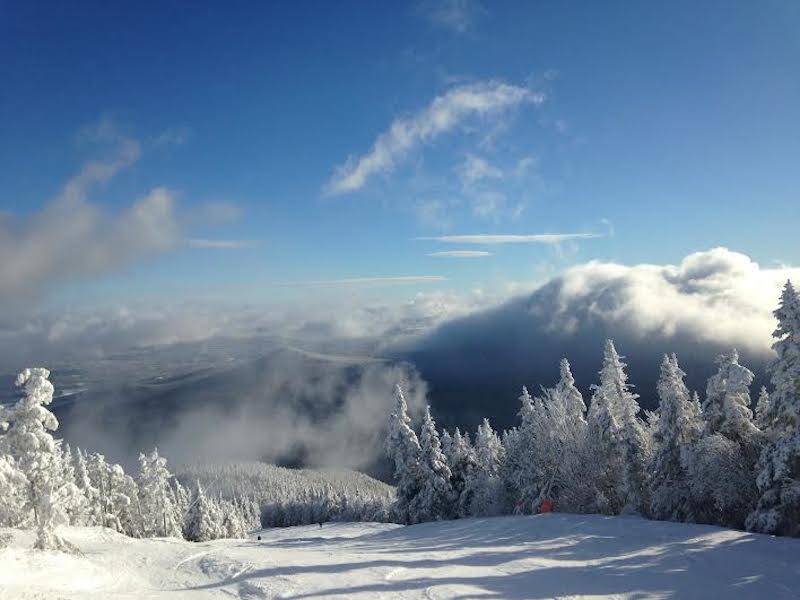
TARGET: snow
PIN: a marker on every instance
(547, 556)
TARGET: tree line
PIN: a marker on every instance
(724, 460)
(44, 484)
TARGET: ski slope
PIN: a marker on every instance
(547, 556)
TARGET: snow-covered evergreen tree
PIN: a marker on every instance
(574, 406)
(402, 447)
(234, 522)
(727, 405)
(435, 498)
(123, 494)
(723, 478)
(633, 441)
(461, 459)
(679, 427)
(485, 485)
(562, 436)
(13, 491)
(203, 521)
(181, 498)
(446, 441)
(93, 514)
(603, 445)
(74, 502)
(762, 414)
(778, 481)
(722, 483)
(35, 452)
(98, 473)
(156, 497)
(522, 471)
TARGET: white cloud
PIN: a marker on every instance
(488, 204)
(443, 114)
(433, 214)
(715, 296)
(456, 15)
(460, 254)
(71, 237)
(220, 244)
(366, 281)
(476, 168)
(124, 152)
(524, 166)
(489, 239)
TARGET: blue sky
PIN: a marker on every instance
(667, 128)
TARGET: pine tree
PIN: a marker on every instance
(155, 496)
(100, 474)
(203, 522)
(402, 447)
(778, 509)
(233, 521)
(13, 488)
(603, 444)
(435, 500)
(93, 514)
(461, 458)
(181, 498)
(35, 452)
(521, 474)
(74, 501)
(485, 483)
(679, 427)
(574, 405)
(763, 410)
(623, 402)
(124, 502)
(725, 459)
(564, 429)
(727, 405)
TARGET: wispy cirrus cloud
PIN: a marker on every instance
(457, 15)
(214, 244)
(490, 239)
(460, 254)
(442, 115)
(476, 168)
(363, 281)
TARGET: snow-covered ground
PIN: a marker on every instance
(548, 556)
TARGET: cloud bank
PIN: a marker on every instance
(717, 296)
(709, 302)
(282, 406)
(445, 113)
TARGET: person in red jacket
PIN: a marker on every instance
(547, 506)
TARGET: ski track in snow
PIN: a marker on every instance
(548, 556)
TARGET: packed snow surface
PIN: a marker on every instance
(547, 556)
